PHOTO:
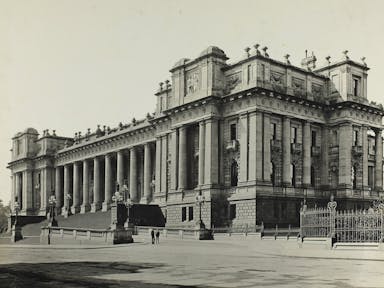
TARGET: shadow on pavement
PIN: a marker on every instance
(74, 274)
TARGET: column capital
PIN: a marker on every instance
(377, 130)
(183, 128)
(244, 114)
(210, 120)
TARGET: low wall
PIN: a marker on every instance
(68, 235)
(23, 220)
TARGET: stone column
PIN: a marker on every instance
(27, 192)
(18, 187)
(286, 151)
(211, 167)
(42, 192)
(174, 151)
(67, 188)
(164, 164)
(158, 178)
(364, 144)
(58, 189)
(243, 127)
(201, 152)
(46, 188)
(267, 148)
(324, 170)
(96, 205)
(108, 183)
(147, 174)
(13, 191)
(252, 148)
(345, 150)
(85, 207)
(120, 169)
(259, 146)
(133, 175)
(183, 158)
(76, 188)
(306, 154)
(378, 161)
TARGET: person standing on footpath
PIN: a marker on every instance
(157, 237)
(153, 236)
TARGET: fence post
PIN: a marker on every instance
(289, 231)
(381, 241)
(276, 231)
(332, 220)
(301, 233)
(262, 230)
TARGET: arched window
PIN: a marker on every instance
(293, 175)
(234, 173)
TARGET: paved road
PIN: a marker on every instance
(189, 263)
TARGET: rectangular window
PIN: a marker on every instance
(232, 211)
(19, 147)
(262, 72)
(233, 131)
(356, 85)
(249, 75)
(335, 83)
(293, 175)
(190, 213)
(355, 137)
(183, 214)
(284, 210)
(293, 135)
(273, 130)
(275, 210)
(314, 136)
(371, 179)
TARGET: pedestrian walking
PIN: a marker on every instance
(157, 237)
(153, 236)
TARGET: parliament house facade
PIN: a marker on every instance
(256, 138)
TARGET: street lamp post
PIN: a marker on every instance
(118, 218)
(202, 233)
(52, 206)
(67, 207)
(200, 199)
(16, 229)
(16, 208)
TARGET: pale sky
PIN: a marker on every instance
(72, 64)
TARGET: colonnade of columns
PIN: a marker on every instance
(74, 179)
(255, 154)
(208, 161)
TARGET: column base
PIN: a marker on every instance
(75, 209)
(144, 201)
(42, 212)
(95, 207)
(85, 208)
(106, 207)
(58, 211)
(64, 210)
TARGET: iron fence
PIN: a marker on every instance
(362, 226)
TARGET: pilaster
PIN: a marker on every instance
(286, 151)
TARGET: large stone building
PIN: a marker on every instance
(256, 138)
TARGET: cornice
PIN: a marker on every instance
(276, 62)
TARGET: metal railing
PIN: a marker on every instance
(362, 226)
